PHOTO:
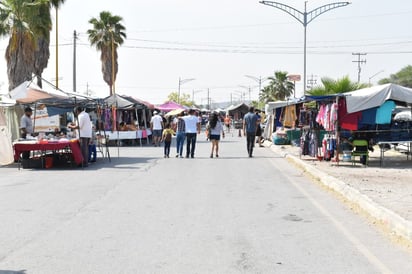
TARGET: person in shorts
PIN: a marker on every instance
(156, 125)
(215, 128)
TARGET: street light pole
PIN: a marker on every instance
(193, 95)
(57, 48)
(302, 17)
(259, 80)
(181, 82)
(374, 76)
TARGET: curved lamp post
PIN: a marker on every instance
(181, 82)
(305, 18)
(374, 76)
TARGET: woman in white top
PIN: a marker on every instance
(215, 128)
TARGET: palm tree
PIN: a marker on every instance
(42, 52)
(279, 88)
(107, 34)
(20, 19)
(330, 86)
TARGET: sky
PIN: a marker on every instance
(212, 45)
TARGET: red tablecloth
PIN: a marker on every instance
(74, 147)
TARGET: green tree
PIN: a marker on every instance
(43, 28)
(107, 35)
(279, 88)
(185, 99)
(330, 86)
(402, 77)
(21, 20)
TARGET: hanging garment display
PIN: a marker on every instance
(384, 112)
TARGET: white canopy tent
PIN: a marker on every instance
(371, 97)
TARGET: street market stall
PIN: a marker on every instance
(327, 122)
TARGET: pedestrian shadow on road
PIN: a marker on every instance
(13, 272)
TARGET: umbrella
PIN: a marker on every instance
(175, 112)
(403, 116)
(168, 106)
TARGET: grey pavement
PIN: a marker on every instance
(142, 213)
(365, 187)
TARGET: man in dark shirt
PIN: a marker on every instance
(250, 122)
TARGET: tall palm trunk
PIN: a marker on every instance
(41, 55)
(20, 59)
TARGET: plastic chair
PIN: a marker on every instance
(360, 148)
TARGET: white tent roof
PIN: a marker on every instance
(367, 98)
(28, 92)
(6, 101)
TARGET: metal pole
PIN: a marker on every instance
(305, 23)
(181, 82)
(57, 48)
(74, 60)
(178, 93)
(302, 17)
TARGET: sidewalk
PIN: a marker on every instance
(385, 193)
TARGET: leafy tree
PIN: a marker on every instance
(185, 99)
(44, 26)
(107, 35)
(402, 77)
(21, 20)
(330, 86)
(279, 88)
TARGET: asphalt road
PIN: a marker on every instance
(142, 213)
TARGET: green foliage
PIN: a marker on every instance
(402, 77)
(107, 35)
(279, 88)
(184, 99)
(330, 86)
(25, 23)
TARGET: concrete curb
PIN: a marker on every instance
(397, 224)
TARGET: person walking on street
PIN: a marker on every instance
(92, 146)
(192, 125)
(215, 128)
(227, 122)
(259, 130)
(156, 126)
(84, 127)
(180, 135)
(250, 122)
(168, 132)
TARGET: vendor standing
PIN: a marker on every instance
(84, 127)
(26, 128)
(26, 124)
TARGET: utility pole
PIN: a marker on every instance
(57, 48)
(74, 60)
(311, 81)
(359, 61)
(259, 80)
(305, 18)
(208, 99)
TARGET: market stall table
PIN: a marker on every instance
(73, 145)
(382, 148)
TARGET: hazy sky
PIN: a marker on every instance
(218, 42)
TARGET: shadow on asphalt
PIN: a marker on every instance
(101, 163)
(12, 272)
